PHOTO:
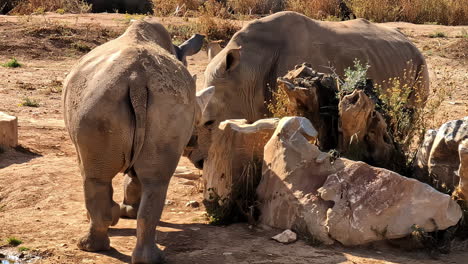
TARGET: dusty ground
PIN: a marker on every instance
(41, 200)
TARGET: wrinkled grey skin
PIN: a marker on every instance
(130, 106)
(245, 71)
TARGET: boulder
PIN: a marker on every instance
(233, 166)
(293, 170)
(8, 130)
(335, 199)
(463, 169)
(372, 204)
(286, 237)
(420, 166)
(443, 161)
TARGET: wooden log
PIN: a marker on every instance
(8, 130)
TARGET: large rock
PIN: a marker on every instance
(233, 167)
(463, 169)
(372, 204)
(443, 161)
(420, 166)
(330, 199)
(293, 170)
(8, 130)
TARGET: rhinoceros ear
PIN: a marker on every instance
(232, 59)
(190, 47)
(204, 96)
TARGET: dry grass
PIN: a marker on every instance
(214, 8)
(41, 6)
(317, 9)
(249, 7)
(216, 29)
(175, 7)
(446, 12)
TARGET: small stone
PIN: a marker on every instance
(2, 255)
(21, 255)
(169, 202)
(195, 228)
(286, 237)
(227, 253)
(193, 204)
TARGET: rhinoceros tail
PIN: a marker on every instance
(139, 99)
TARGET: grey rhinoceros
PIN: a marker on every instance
(245, 71)
(130, 106)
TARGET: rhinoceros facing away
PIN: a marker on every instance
(245, 71)
(130, 106)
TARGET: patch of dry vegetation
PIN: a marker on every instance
(175, 7)
(316, 9)
(41, 6)
(446, 12)
(216, 29)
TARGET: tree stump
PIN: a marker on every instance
(233, 168)
(8, 130)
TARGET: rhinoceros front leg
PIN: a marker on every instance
(132, 196)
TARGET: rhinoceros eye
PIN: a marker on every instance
(209, 124)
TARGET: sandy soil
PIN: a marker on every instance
(41, 199)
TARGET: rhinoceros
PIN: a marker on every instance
(130, 106)
(245, 71)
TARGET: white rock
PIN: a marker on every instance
(351, 202)
(286, 237)
(8, 130)
(444, 160)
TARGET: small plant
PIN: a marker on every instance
(180, 33)
(464, 34)
(21, 249)
(60, 11)
(39, 11)
(29, 102)
(13, 63)
(80, 46)
(12, 241)
(279, 105)
(353, 78)
(55, 86)
(130, 17)
(438, 35)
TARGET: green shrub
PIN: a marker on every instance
(13, 63)
(29, 102)
(438, 35)
(12, 241)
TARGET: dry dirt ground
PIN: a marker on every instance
(41, 199)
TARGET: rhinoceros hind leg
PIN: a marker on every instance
(154, 180)
(132, 196)
(102, 210)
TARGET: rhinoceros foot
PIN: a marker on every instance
(94, 241)
(147, 255)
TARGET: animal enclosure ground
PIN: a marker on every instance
(41, 199)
